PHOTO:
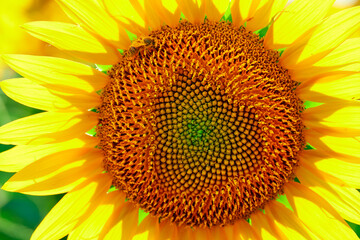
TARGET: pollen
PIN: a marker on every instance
(201, 126)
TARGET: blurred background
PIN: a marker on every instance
(20, 214)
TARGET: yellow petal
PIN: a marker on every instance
(18, 157)
(53, 175)
(313, 73)
(310, 157)
(149, 228)
(47, 127)
(57, 73)
(245, 230)
(124, 12)
(74, 40)
(31, 94)
(334, 117)
(69, 210)
(194, 10)
(184, 233)
(243, 10)
(141, 16)
(345, 200)
(322, 40)
(286, 221)
(167, 230)
(345, 87)
(146, 9)
(125, 225)
(168, 11)
(93, 225)
(345, 171)
(344, 58)
(346, 147)
(92, 17)
(346, 53)
(262, 227)
(295, 21)
(265, 11)
(323, 221)
(215, 9)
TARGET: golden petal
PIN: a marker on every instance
(295, 21)
(57, 73)
(345, 200)
(323, 39)
(23, 155)
(32, 94)
(92, 17)
(69, 210)
(74, 40)
(323, 221)
(56, 175)
(47, 127)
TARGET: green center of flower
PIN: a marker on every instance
(199, 124)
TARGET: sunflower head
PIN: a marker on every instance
(198, 122)
(202, 121)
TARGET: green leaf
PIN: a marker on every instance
(142, 215)
(103, 68)
(309, 104)
(283, 199)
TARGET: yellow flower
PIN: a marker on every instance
(199, 122)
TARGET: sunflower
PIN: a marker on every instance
(203, 120)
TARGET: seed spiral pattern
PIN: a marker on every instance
(203, 127)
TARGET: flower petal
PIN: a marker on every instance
(263, 227)
(194, 10)
(93, 225)
(23, 155)
(245, 230)
(215, 9)
(74, 40)
(347, 172)
(243, 10)
(57, 73)
(29, 93)
(168, 11)
(149, 228)
(56, 175)
(47, 127)
(68, 212)
(125, 225)
(295, 21)
(265, 11)
(124, 12)
(138, 16)
(345, 87)
(329, 118)
(91, 16)
(167, 230)
(345, 200)
(323, 221)
(339, 147)
(286, 221)
(344, 58)
(322, 40)
(346, 53)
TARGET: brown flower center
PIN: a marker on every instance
(200, 124)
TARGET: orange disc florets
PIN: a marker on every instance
(201, 125)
